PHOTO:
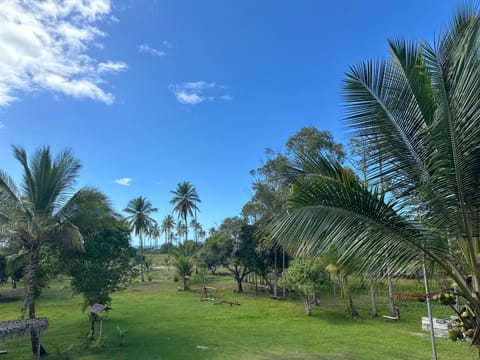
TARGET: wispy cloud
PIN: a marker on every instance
(166, 44)
(192, 93)
(111, 66)
(150, 50)
(2, 126)
(44, 45)
(124, 181)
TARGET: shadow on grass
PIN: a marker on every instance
(10, 295)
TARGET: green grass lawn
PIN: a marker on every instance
(163, 323)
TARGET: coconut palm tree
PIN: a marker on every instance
(202, 234)
(140, 222)
(41, 212)
(196, 226)
(154, 234)
(423, 107)
(168, 224)
(185, 202)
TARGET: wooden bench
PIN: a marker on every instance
(390, 318)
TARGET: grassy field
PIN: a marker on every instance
(160, 322)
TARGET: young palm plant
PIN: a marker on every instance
(422, 106)
(39, 212)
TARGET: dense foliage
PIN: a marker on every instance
(105, 265)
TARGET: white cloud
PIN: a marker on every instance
(124, 181)
(188, 98)
(150, 50)
(2, 126)
(192, 93)
(111, 66)
(44, 46)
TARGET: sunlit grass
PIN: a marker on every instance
(163, 323)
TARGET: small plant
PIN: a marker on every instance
(98, 344)
(87, 339)
(122, 335)
(455, 334)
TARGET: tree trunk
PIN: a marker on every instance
(186, 235)
(283, 276)
(141, 258)
(185, 287)
(351, 309)
(308, 305)
(391, 296)
(373, 298)
(239, 285)
(30, 301)
(275, 276)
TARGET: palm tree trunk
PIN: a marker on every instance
(30, 301)
(283, 274)
(186, 235)
(141, 258)
(391, 296)
(350, 307)
(275, 275)
(373, 298)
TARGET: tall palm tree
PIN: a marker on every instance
(185, 202)
(423, 106)
(202, 234)
(154, 234)
(168, 224)
(140, 222)
(181, 231)
(42, 209)
(196, 226)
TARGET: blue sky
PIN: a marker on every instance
(151, 93)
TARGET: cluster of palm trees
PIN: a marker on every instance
(46, 211)
(185, 204)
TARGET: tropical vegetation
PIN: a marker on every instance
(421, 109)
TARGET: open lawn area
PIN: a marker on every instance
(160, 322)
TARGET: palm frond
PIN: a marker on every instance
(88, 208)
(343, 216)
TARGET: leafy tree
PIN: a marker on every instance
(140, 222)
(185, 202)
(308, 276)
(271, 187)
(215, 251)
(104, 266)
(422, 105)
(310, 140)
(39, 212)
(165, 248)
(237, 242)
